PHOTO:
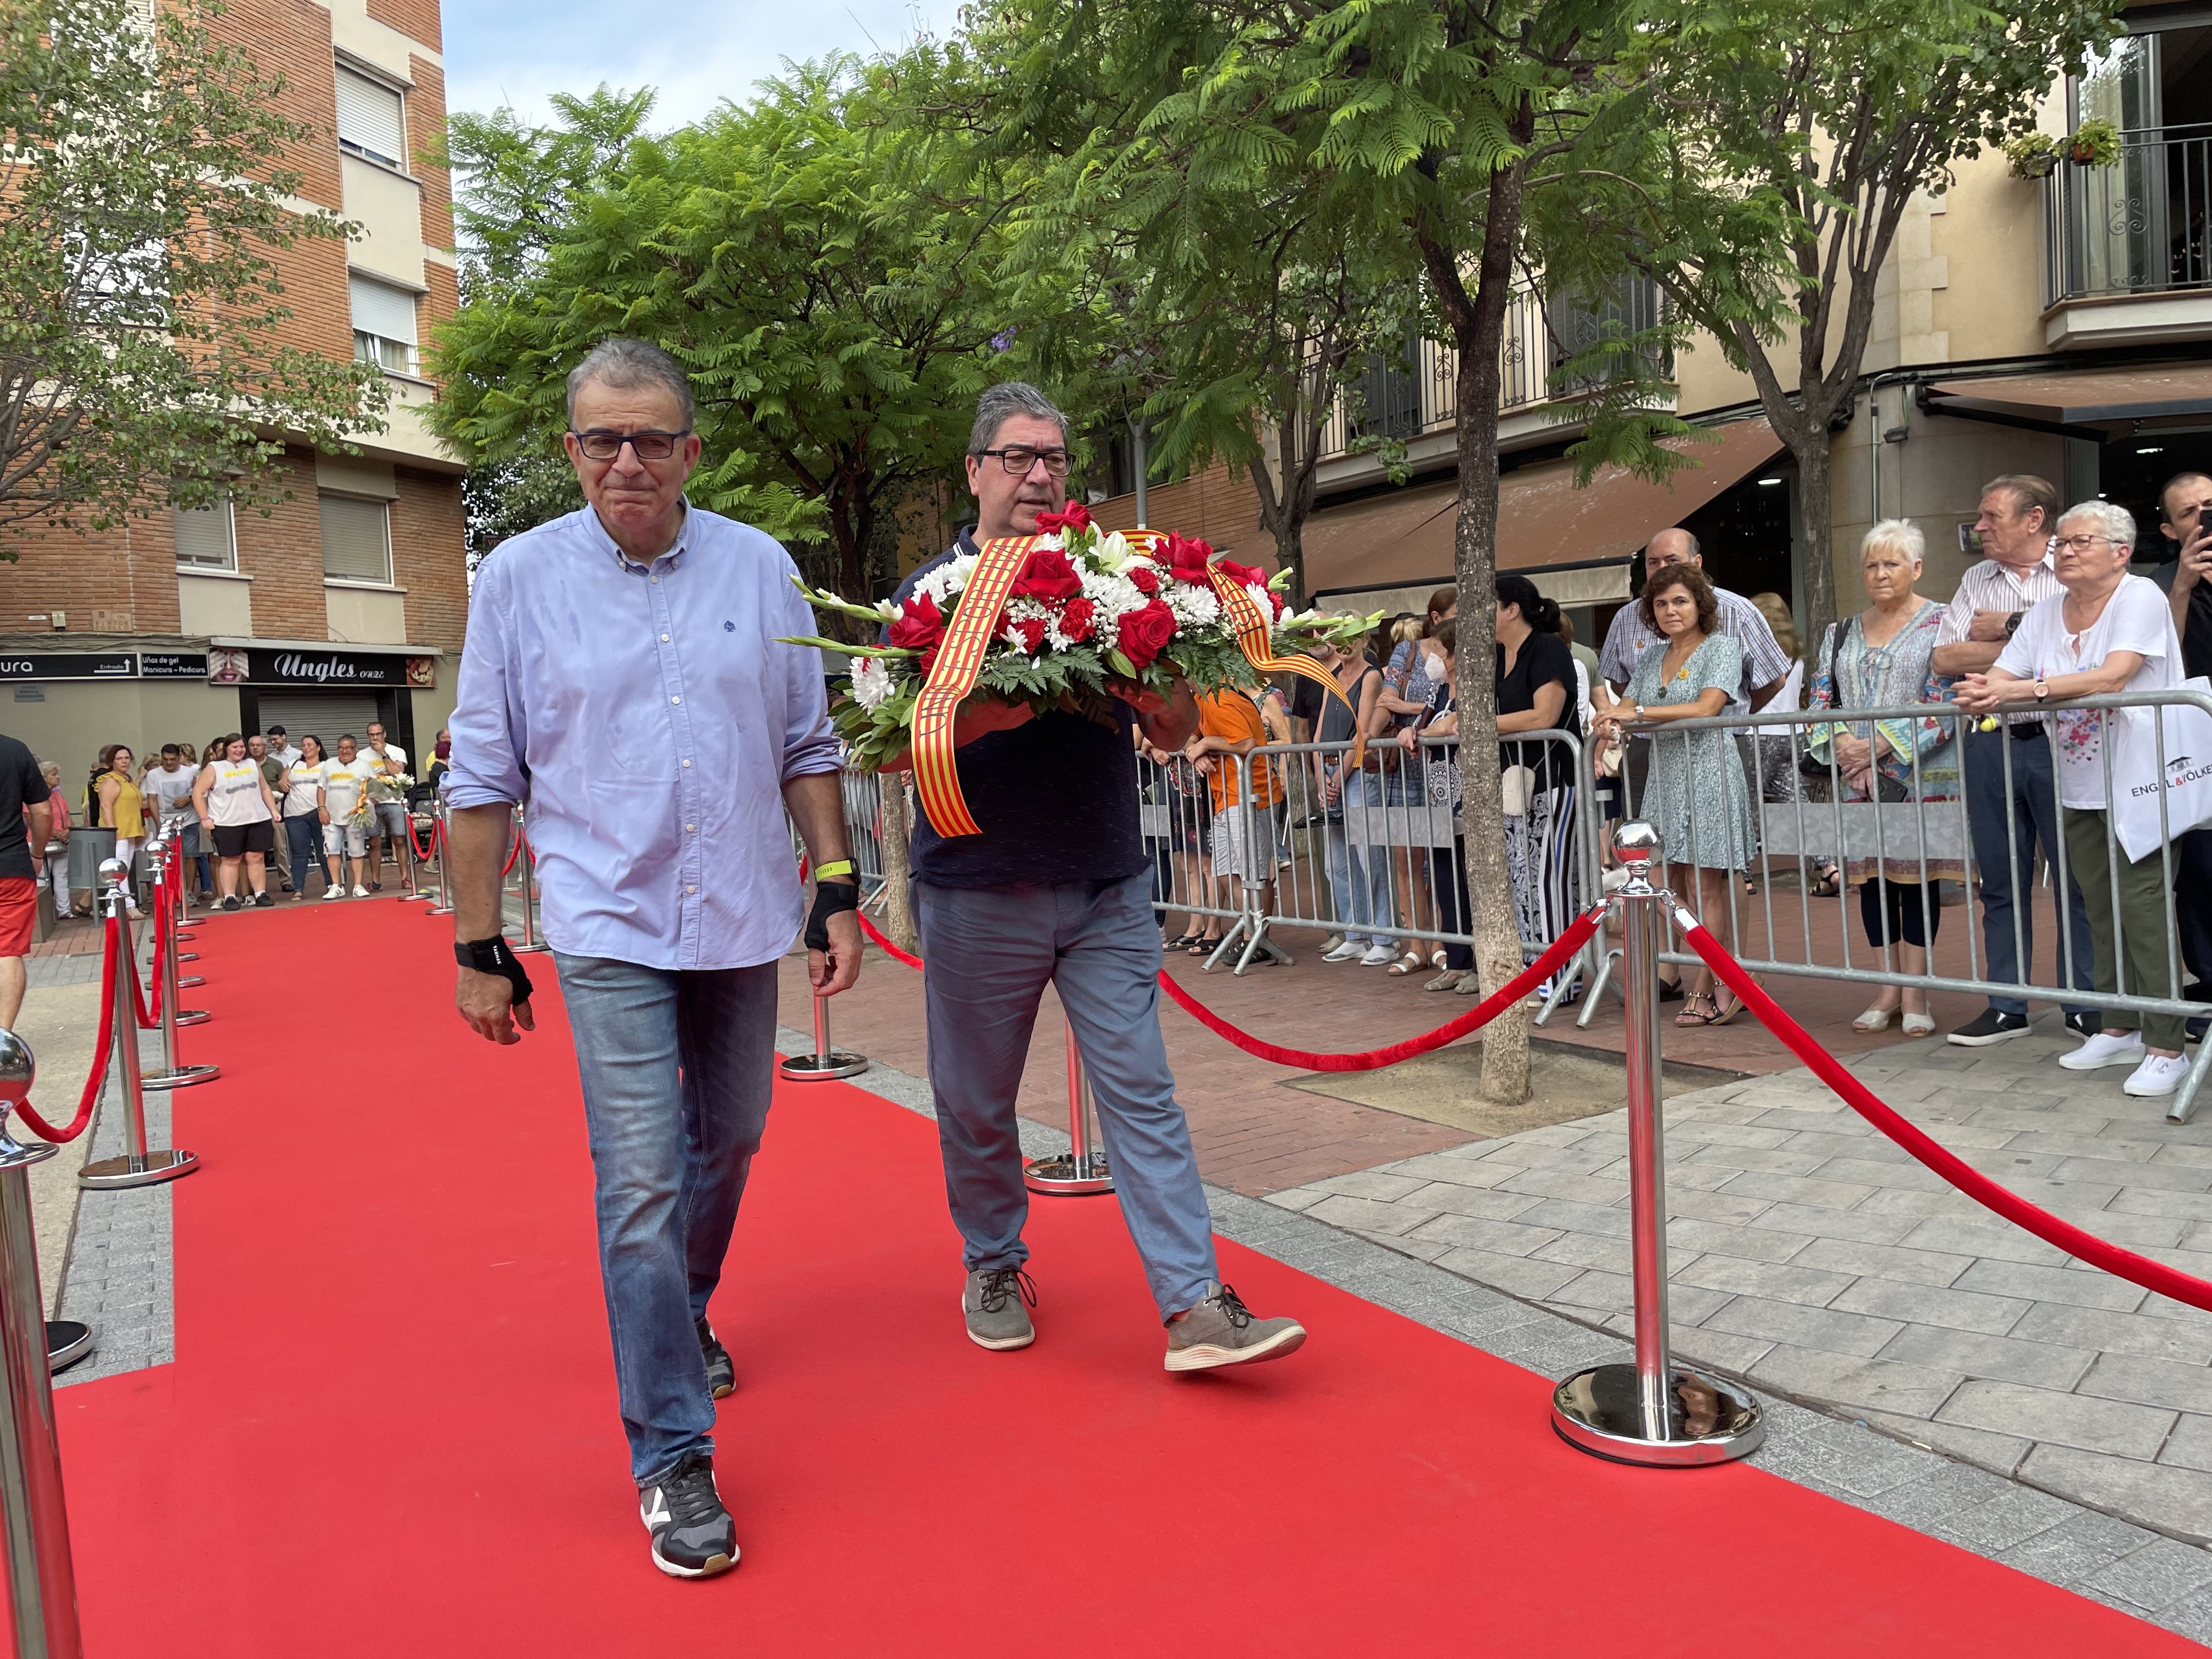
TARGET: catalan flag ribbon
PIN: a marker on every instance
(952, 677)
(1253, 636)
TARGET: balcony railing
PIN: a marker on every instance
(1394, 401)
(2136, 226)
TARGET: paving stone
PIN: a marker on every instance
(1565, 1183)
(1688, 1233)
(1777, 1281)
(1448, 1166)
(2190, 1206)
(1367, 1215)
(1518, 1275)
(1570, 1216)
(1780, 1160)
(1806, 1327)
(1929, 1305)
(1371, 1184)
(1450, 1198)
(2189, 1445)
(2005, 1522)
(2156, 1575)
(2000, 1358)
(1500, 1237)
(1840, 1379)
(1799, 1190)
(2076, 1548)
(2082, 1289)
(1920, 1206)
(2191, 1617)
(2001, 1454)
(1729, 1209)
(2138, 1333)
(2135, 1177)
(2147, 1382)
(1419, 1250)
(1609, 1255)
(1297, 1197)
(2104, 1145)
(2051, 1417)
(1813, 1221)
(1717, 1349)
(2180, 1498)
(1891, 1261)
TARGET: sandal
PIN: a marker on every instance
(1874, 1019)
(1182, 943)
(1409, 963)
(1203, 946)
(1446, 981)
(1725, 1015)
(1692, 1015)
(1438, 958)
(1825, 885)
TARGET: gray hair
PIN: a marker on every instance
(2111, 519)
(627, 365)
(1001, 403)
(1899, 535)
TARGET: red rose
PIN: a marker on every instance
(1242, 574)
(1147, 580)
(1049, 575)
(1186, 559)
(1145, 634)
(1076, 618)
(1276, 600)
(919, 626)
(1031, 632)
(1073, 516)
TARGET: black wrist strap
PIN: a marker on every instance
(493, 956)
(830, 898)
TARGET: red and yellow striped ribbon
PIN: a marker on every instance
(1253, 636)
(952, 677)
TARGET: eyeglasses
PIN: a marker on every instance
(1019, 461)
(646, 445)
(2082, 543)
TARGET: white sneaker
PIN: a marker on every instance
(1377, 955)
(2159, 1075)
(1346, 951)
(333, 892)
(361, 892)
(2105, 1048)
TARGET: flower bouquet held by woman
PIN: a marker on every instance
(1060, 620)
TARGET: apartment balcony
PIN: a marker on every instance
(1414, 400)
(2126, 257)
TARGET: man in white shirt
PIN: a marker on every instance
(389, 819)
(1766, 665)
(169, 785)
(281, 746)
(345, 827)
(2010, 810)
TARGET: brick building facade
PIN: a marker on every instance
(346, 601)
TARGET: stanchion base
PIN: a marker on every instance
(415, 898)
(183, 1077)
(1599, 1411)
(193, 1015)
(188, 956)
(68, 1340)
(192, 982)
(155, 1167)
(525, 950)
(1061, 1176)
(820, 1068)
(441, 908)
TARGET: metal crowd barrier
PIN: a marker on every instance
(1923, 839)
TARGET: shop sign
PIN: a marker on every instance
(258, 667)
(172, 665)
(71, 666)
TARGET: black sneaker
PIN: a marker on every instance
(230, 901)
(376, 887)
(692, 1536)
(721, 1372)
(1991, 1026)
(264, 900)
(2087, 1024)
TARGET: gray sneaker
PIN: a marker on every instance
(1221, 1331)
(993, 1304)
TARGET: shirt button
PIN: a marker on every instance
(664, 639)
(690, 890)
(656, 579)
(676, 700)
(687, 763)
(690, 828)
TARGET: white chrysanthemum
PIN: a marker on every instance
(1192, 606)
(1114, 596)
(1052, 539)
(947, 579)
(871, 681)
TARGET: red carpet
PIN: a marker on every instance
(390, 1430)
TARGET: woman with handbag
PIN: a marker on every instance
(1352, 802)
(1437, 765)
(1880, 659)
(1399, 705)
(1694, 794)
(1536, 692)
(2109, 631)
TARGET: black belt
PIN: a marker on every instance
(2026, 731)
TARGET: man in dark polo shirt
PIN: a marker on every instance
(24, 821)
(2186, 510)
(1058, 888)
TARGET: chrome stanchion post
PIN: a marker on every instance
(140, 1166)
(530, 939)
(827, 1062)
(1651, 1412)
(410, 866)
(181, 883)
(174, 1073)
(1079, 1170)
(41, 1578)
(444, 906)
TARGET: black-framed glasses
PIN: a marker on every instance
(1019, 461)
(646, 446)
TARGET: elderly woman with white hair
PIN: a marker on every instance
(1879, 660)
(2109, 631)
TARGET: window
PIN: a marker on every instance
(206, 539)
(356, 539)
(383, 324)
(372, 119)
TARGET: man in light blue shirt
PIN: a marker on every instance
(622, 677)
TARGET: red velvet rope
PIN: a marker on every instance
(513, 852)
(154, 974)
(103, 1042)
(1562, 950)
(422, 852)
(2087, 1246)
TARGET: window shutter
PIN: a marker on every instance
(382, 309)
(205, 537)
(356, 541)
(370, 118)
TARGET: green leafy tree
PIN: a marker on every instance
(145, 186)
(1788, 138)
(836, 325)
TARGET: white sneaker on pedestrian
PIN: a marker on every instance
(1346, 951)
(2159, 1075)
(1377, 955)
(2105, 1048)
(333, 892)
(361, 892)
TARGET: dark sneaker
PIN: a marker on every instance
(2087, 1024)
(993, 1306)
(1221, 1331)
(376, 887)
(230, 901)
(692, 1536)
(1991, 1026)
(721, 1371)
(264, 900)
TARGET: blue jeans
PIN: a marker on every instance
(1359, 861)
(991, 951)
(676, 1069)
(303, 839)
(2035, 818)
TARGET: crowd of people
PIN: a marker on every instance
(261, 817)
(1931, 700)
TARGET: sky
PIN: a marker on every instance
(518, 52)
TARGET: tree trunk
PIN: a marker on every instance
(1816, 537)
(891, 839)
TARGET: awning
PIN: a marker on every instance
(1404, 539)
(2101, 400)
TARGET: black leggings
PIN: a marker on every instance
(1454, 905)
(1912, 919)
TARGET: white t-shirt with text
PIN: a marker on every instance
(2136, 618)
(344, 782)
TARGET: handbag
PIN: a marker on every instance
(1517, 784)
(2185, 734)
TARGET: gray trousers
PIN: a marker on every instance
(2006, 816)
(991, 951)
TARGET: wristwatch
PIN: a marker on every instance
(2042, 689)
(2012, 623)
(1639, 711)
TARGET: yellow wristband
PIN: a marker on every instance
(835, 868)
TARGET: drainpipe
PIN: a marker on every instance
(1136, 456)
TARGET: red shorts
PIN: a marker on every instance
(19, 905)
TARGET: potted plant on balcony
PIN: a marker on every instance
(2032, 155)
(2094, 143)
